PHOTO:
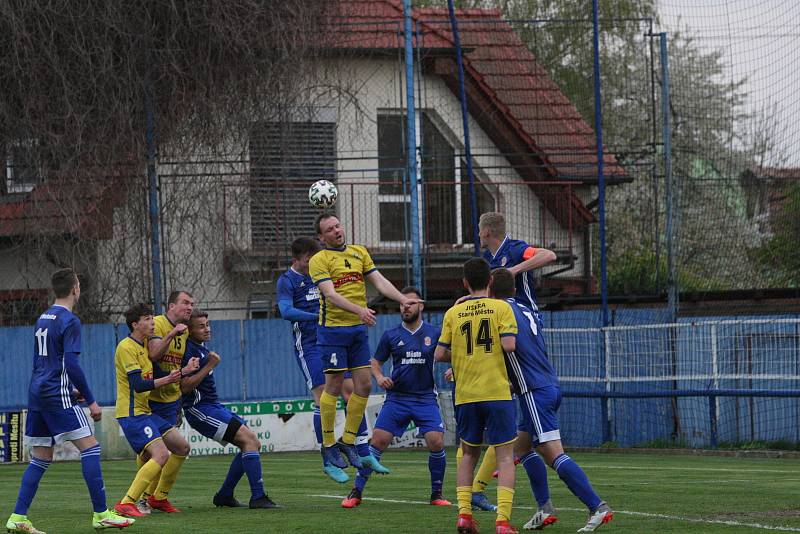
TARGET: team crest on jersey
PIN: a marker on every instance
(504, 261)
(427, 341)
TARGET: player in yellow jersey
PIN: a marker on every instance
(475, 334)
(143, 429)
(340, 271)
(167, 346)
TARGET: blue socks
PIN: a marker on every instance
(537, 476)
(577, 481)
(362, 440)
(235, 473)
(318, 431)
(437, 462)
(365, 472)
(30, 483)
(251, 461)
(92, 474)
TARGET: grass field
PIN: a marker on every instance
(650, 493)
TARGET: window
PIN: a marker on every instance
(22, 168)
(444, 197)
(21, 306)
(285, 159)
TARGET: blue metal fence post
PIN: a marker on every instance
(473, 197)
(712, 419)
(672, 278)
(152, 176)
(601, 179)
(411, 146)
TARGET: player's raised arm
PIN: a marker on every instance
(534, 258)
(367, 315)
(387, 289)
(157, 346)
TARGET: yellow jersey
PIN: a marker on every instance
(131, 356)
(170, 361)
(472, 331)
(347, 269)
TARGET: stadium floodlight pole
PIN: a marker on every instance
(672, 279)
(155, 247)
(601, 179)
(411, 146)
(473, 197)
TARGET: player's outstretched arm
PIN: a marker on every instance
(367, 315)
(191, 379)
(157, 346)
(387, 289)
(540, 258)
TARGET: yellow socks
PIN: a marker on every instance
(146, 474)
(327, 415)
(151, 489)
(356, 407)
(484, 474)
(505, 498)
(464, 495)
(168, 476)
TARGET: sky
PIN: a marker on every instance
(760, 41)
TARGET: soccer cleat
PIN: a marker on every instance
(466, 524)
(143, 507)
(264, 502)
(373, 463)
(602, 515)
(352, 500)
(109, 519)
(161, 504)
(333, 457)
(481, 502)
(540, 520)
(128, 509)
(349, 450)
(438, 500)
(336, 474)
(21, 523)
(504, 527)
(228, 501)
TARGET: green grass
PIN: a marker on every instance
(696, 492)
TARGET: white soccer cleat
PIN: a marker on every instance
(143, 506)
(600, 517)
(540, 520)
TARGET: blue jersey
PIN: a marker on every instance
(412, 359)
(57, 331)
(206, 390)
(512, 252)
(528, 366)
(304, 295)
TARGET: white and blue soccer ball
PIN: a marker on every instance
(322, 194)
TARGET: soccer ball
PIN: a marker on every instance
(322, 194)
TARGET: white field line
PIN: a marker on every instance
(622, 512)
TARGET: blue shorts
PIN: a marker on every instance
(167, 411)
(343, 348)
(46, 428)
(309, 358)
(396, 413)
(211, 420)
(539, 408)
(142, 430)
(498, 418)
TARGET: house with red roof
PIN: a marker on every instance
(534, 159)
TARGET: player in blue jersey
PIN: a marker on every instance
(410, 395)
(53, 412)
(205, 414)
(520, 259)
(535, 381)
(513, 254)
